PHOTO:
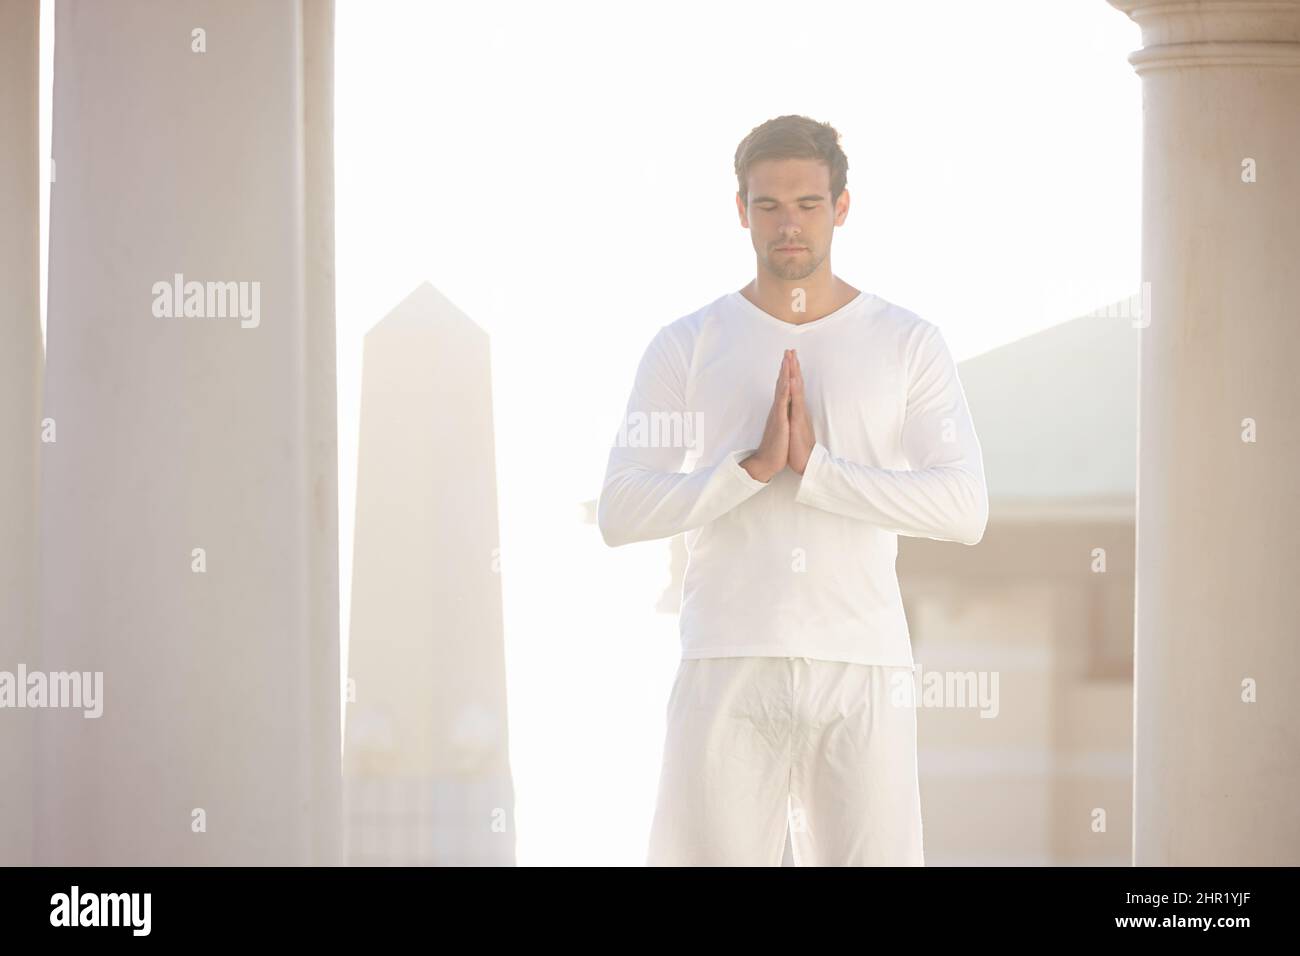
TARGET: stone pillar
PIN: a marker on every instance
(189, 513)
(20, 376)
(426, 762)
(1217, 764)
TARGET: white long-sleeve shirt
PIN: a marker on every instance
(799, 566)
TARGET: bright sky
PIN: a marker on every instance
(545, 166)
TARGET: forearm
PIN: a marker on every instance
(641, 504)
(945, 502)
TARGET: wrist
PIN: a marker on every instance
(758, 469)
(799, 462)
(800, 455)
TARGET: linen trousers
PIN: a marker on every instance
(756, 746)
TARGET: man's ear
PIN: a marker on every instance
(740, 208)
(842, 207)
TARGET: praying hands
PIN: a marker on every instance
(788, 435)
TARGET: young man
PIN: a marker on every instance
(821, 422)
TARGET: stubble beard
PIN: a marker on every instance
(792, 269)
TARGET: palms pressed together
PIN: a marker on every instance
(788, 435)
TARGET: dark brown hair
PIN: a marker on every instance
(792, 137)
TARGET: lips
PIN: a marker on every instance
(791, 248)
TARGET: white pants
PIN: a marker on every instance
(754, 744)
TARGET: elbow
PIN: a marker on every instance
(611, 537)
(977, 519)
(971, 516)
(611, 532)
(618, 514)
(973, 534)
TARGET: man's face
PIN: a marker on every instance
(790, 206)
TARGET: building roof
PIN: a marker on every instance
(1057, 412)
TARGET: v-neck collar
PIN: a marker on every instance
(799, 328)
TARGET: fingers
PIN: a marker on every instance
(787, 392)
(783, 379)
(796, 380)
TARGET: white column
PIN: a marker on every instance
(1216, 777)
(20, 375)
(188, 513)
(427, 757)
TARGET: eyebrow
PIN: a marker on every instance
(800, 199)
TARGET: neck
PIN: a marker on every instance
(799, 300)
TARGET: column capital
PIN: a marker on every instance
(1187, 33)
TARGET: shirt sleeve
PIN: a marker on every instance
(645, 494)
(943, 496)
